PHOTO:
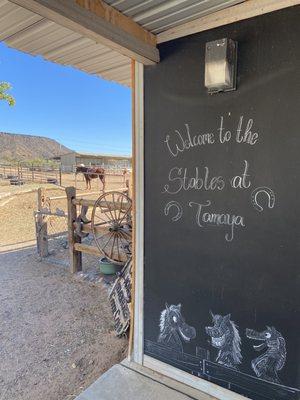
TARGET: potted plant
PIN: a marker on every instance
(108, 267)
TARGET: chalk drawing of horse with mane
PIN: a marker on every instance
(225, 337)
(173, 328)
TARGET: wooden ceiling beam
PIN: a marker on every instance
(100, 22)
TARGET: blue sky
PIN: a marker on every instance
(83, 112)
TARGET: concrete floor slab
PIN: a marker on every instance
(125, 384)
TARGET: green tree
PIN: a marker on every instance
(4, 88)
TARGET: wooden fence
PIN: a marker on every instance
(76, 248)
(60, 222)
(20, 173)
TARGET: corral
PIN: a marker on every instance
(20, 173)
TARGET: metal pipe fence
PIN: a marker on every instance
(20, 172)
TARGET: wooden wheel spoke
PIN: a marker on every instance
(108, 206)
(121, 239)
(125, 233)
(104, 211)
(121, 215)
(114, 210)
(118, 249)
(102, 236)
(113, 245)
(101, 223)
(124, 237)
(109, 219)
(120, 210)
(125, 214)
(111, 234)
(98, 216)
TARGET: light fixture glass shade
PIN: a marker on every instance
(220, 65)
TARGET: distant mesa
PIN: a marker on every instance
(26, 147)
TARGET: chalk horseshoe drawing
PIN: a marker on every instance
(177, 205)
(268, 192)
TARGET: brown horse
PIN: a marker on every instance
(90, 173)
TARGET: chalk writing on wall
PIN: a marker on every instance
(203, 178)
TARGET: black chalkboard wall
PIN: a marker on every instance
(222, 215)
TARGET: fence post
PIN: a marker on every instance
(41, 227)
(75, 178)
(75, 256)
(60, 181)
(19, 177)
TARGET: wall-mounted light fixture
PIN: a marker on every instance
(220, 65)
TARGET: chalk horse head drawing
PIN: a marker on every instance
(267, 365)
(225, 337)
(173, 328)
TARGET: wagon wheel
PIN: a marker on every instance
(112, 226)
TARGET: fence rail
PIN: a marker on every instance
(49, 224)
(56, 219)
(20, 173)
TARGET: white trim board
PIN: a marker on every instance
(216, 391)
(245, 10)
(166, 381)
(138, 340)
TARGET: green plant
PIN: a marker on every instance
(4, 88)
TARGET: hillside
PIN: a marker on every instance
(25, 147)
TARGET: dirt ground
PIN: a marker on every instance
(16, 214)
(57, 332)
(16, 210)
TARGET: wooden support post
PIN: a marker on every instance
(137, 294)
(41, 227)
(75, 256)
(133, 270)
